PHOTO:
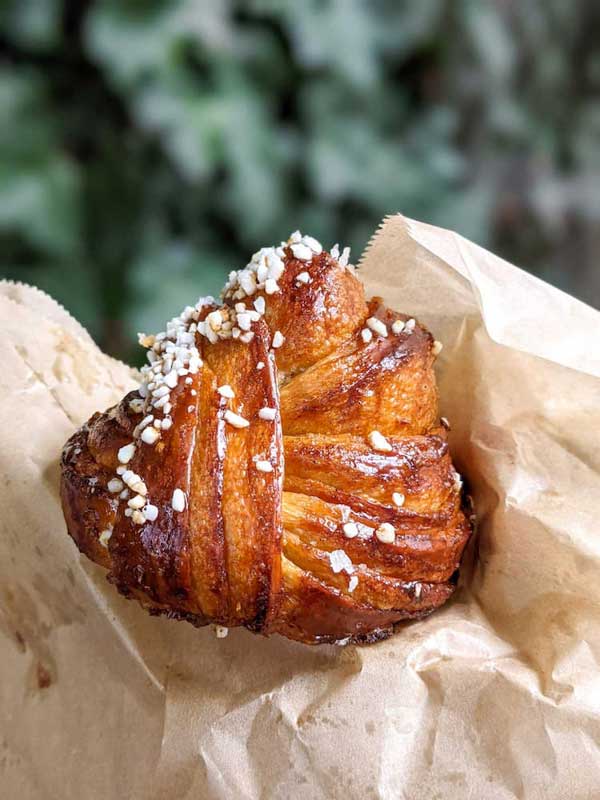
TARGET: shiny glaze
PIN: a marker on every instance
(252, 548)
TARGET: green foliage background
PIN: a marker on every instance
(148, 147)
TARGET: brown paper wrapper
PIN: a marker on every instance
(497, 695)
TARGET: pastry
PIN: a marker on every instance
(282, 465)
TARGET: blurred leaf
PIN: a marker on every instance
(41, 203)
(137, 42)
(32, 23)
(39, 185)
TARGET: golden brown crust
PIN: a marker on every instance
(273, 552)
(417, 466)
(314, 613)
(387, 384)
(316, 320)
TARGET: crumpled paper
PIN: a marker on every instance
(497, 695)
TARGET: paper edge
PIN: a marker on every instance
(559, 298)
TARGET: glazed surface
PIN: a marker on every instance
(253, 547)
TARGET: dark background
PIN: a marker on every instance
(147, 148)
